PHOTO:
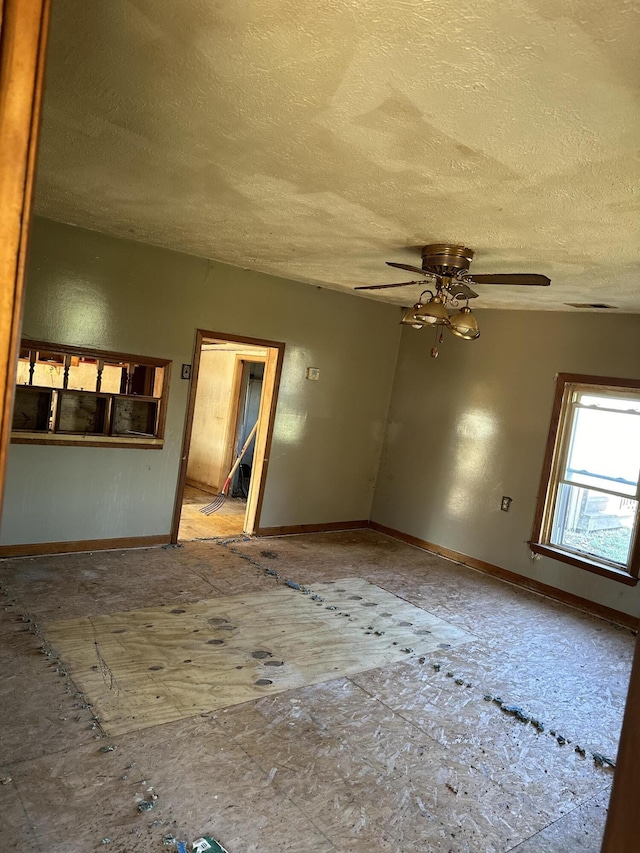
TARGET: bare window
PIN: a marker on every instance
(587, 510)
(72, 395)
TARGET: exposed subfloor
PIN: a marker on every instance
(394, 747)
(228, 520)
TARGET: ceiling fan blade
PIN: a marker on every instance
(408, 267)
(460, 289)
(510, 278)
(382, 286)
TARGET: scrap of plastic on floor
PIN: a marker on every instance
(206, 844)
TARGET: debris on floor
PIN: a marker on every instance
(149, 802)
(515, 711)
(206, 844)
(602, 760)
(393, 685)
(519, 714)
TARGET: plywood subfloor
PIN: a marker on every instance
(147, 667)
(401, 758)
(227, 521)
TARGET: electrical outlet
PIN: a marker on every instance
(313, 373)
(505, 503)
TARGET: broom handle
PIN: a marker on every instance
(242, 452)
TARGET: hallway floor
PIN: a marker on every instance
(374, 717)
(226, 521)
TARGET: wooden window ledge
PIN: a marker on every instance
(583, 563)
(88, 440)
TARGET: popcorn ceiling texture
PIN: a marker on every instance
(314, 141)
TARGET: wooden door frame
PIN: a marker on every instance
(622, 831)
(234, 417)
(265, 429)
(23, 37)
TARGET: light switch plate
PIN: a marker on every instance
(313, 373)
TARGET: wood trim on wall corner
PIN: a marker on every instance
(23, 38)
(42, 548)
(576, 601)
(621, 830)
(328, 527)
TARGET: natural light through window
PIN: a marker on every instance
(588, 507)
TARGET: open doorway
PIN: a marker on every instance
(229, 420)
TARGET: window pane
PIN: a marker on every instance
(623, 404)
(605, 450)
(594, 523)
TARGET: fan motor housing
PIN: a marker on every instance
(446, 259)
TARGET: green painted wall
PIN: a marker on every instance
(470, 426)
(462, 430)
(89, 289)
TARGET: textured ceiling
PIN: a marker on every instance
(315, 140)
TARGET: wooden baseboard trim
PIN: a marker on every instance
(608, 613)
(203, 487)
(41, 548)
(288, 530)
(595, 609)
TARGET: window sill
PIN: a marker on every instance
(66, 440)
(583, 563)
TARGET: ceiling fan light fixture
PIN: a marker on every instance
(464, 325)
(409, 317)
(433, 313)
(446, 268)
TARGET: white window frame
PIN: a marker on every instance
(558, 444)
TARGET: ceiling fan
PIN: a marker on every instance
(448, 266)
